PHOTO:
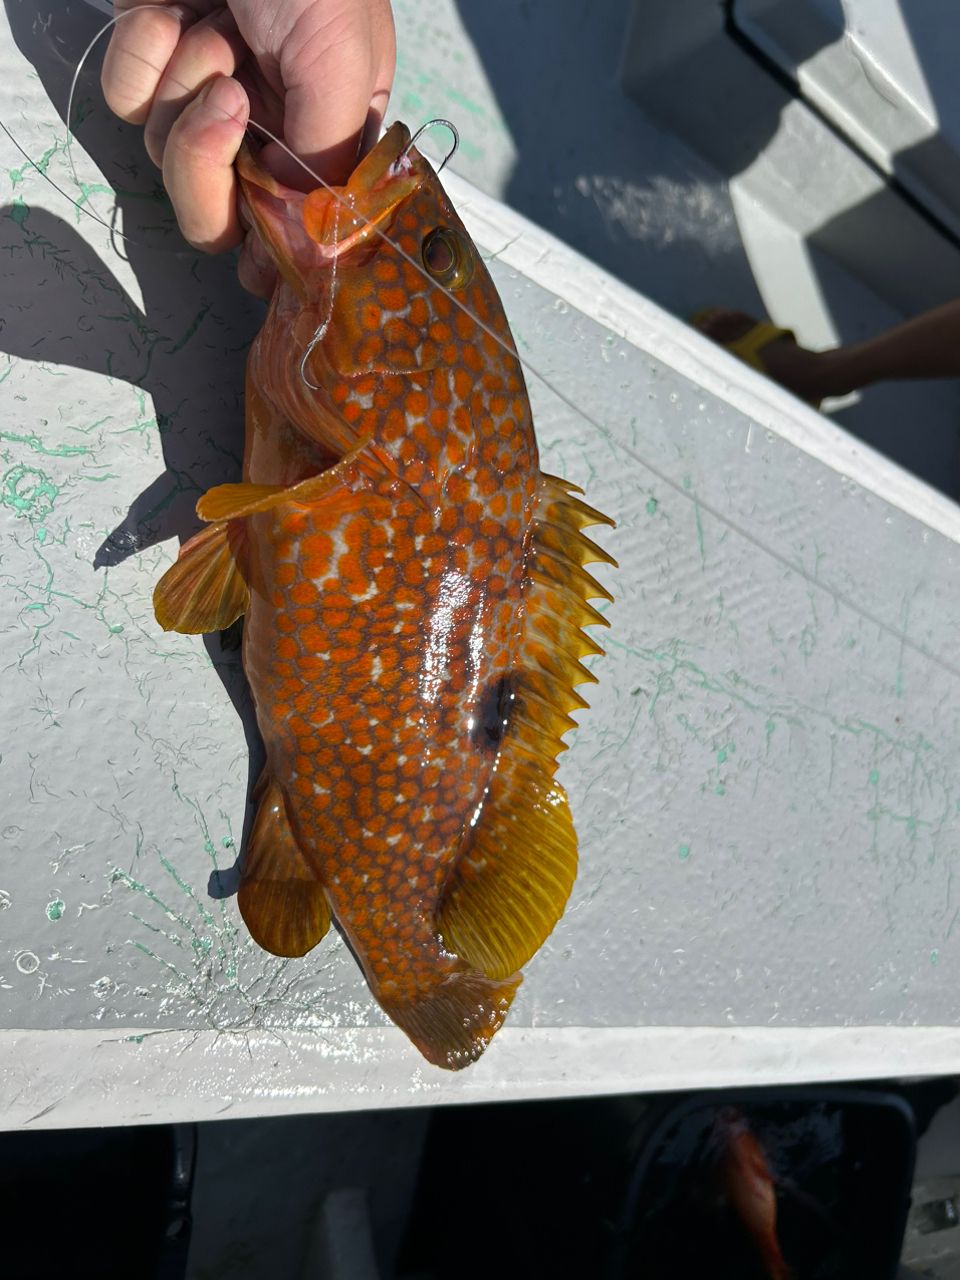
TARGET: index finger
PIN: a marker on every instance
(142, 43)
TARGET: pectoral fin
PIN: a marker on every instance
(281, 900)
(235, 501)
(340, 484)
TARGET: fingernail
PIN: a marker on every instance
(224, 95)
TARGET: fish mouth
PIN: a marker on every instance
(330, 221)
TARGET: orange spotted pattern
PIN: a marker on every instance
(379, 632)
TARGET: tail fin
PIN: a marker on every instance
(452, 1023)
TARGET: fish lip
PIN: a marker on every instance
(382, 180)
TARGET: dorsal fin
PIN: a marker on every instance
(514, 875)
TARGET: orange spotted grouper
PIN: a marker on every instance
(413, 591)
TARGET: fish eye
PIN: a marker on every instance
(447, 258)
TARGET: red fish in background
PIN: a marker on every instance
(414, 592)
(749, 1186)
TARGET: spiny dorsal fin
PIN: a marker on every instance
(514, 875)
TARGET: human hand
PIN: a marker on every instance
(317, 73)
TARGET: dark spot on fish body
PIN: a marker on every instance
(495, 708)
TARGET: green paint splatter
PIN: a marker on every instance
(227, 842)
(696, 512)
(652, 505)
(41, 165)
(687, 482)
(88, 189)
(463, 101)
(55, 909)
(191, 329)
(135, 1039)
(721, 755)
(28, 492)
(683, 852)
(18, 211)
(874, 777)
(41, 535)
(37, 445)
(470, 150)
(720, 789)
(116, 628)
(934, 956)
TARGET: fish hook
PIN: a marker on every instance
(448, 124)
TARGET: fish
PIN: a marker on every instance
(749, 1187)
(414, 599)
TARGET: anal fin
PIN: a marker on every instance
(281, 900)
(205, 590)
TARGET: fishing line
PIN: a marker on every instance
(321, 329)
(839, 596)
(358, 219)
